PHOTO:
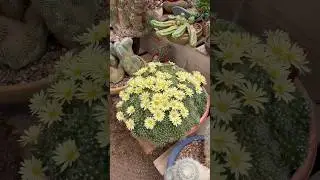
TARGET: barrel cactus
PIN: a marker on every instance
(162, 103)
(22, 42)
(187, 169)
(70, 139)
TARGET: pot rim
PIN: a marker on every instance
(179, 146)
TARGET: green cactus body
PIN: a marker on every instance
(180, 31)
(116, 74)
(113, 60)
(21, 43)
(132, 64)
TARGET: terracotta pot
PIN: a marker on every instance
(21, 93)
(304, 171)
(184, 39)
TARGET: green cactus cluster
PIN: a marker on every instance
(123, 60)
(266, 115)
(70, 139)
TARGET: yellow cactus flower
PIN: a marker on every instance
(149, 123)
(66, 153)
(130, 124)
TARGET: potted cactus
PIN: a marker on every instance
(190, 158)
(163, 103)
(123, 64)
(179, 30)
(262, 128)
(70, 138)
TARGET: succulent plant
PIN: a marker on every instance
(255, 105)
(122, 59)
(22, 42)
(70, 139)
(128, 18)
(175, 27)
(187, 169)
(162, 102)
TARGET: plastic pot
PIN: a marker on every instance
(180, 146)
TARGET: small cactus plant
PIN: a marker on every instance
(187, 169)
(123, 60)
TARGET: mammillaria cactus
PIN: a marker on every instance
(162, 102)
(22, 42)
(70, 140)
(187, 169)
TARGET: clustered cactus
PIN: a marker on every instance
(162, 103)
(128, 18)
(187, 169)
(260, 122)
(176, 27)
(70, 140)
(123, 60)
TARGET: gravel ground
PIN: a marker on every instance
(127, 158)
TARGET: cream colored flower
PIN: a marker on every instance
(130, 124)
(225, 105)
(253, 96)
(199, 77)
(230, 78)
(277, 69)
(283, 88)
(229, 54)
(130, 110)
(65, 154)
(38, 102)
(217, 171)
(175, 117)
(258, 56)
(238, 160)
(32, 169)
(119, 104)
(149, 123)
(297, 58)
(120, 116)
(222, 139)
(51, 113)
(31, 136)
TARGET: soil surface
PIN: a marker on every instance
(194, 150)
(34, 71)
(127, 160)
(123, 82)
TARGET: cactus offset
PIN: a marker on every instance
(116, 74)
